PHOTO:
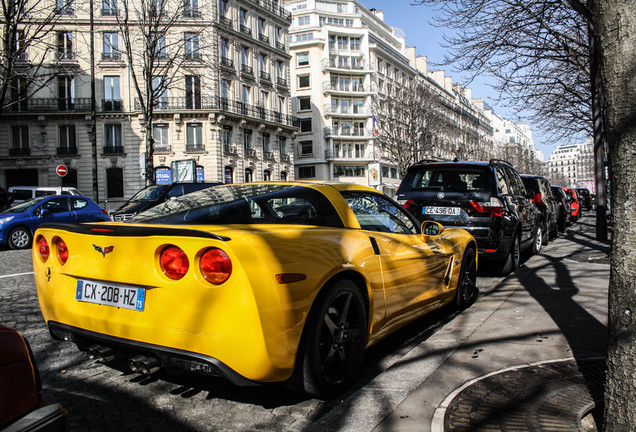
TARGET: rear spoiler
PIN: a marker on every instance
(117, 230)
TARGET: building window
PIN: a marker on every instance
(306, 172)
(247, 139)
(111, 46)
(114, 182)
(303, 81)
(160, 136)
(305, 125)
(227, 137)
(304, 103)
(191, 8)
(303, 59)
(160, 92)
(222, 8)
(18, 94)
(283, 176)
(354, 44)
(19, 141)
(65, 45)
(194, 137)
(193, 92)
(342, 42)
(282, 145)
(304, 21)
(191, 41)
(66, 139)
(66, 92)
(248, 175)
(266, 143)
(306, 148)
(160, 46)
(228, 175)
(267, 175)
(109, 7)
(64, 7)
(112, 138)
(112, 101)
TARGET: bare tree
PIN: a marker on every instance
(555, 58)
(157, 55)
(26, 26)
(410, 124)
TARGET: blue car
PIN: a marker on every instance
(18, 223)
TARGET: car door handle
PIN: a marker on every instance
(376, 247)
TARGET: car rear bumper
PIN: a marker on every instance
(170, 358)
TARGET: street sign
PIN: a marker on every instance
(61, 170)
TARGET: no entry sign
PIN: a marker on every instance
(61, 170)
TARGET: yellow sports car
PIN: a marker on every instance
(255, 282)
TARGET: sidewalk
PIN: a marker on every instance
(511, 361)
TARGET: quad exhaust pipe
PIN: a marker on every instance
(101, 353)
(145, 365)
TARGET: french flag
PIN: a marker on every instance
(375, 126)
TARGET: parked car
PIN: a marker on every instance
(21, 405)
(488, 199)
(586, 198)
(18, 223)
(541, 189)
(23, 193)
(153, 195)
(222, 282)
(574, 203)
(564, 218)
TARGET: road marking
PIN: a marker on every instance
(14, 275)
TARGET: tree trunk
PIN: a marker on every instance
(615, 30)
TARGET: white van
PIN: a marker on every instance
(23, 193)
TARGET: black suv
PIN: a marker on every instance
(541, 189)
(586, 198)
(488, 199)
(153, 195)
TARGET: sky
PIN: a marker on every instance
(427, 39)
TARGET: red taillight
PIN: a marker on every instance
(62, 251)
(494, 207)
(43, 248)
(174, 262)
(408, 204)
(216, 266)
(537, 199)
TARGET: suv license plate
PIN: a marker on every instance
(445, 211)
(110, 295)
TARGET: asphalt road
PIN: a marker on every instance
(102, 397)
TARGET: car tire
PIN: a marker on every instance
(537, 241)
(19, 238)
(512, 261)
(467, 290)
(333, 341)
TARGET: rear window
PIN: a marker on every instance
(450, 179)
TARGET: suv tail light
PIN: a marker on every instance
(494, 207)
(538, 199)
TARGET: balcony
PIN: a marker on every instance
(64, 151)
(193, 56)
(285, 158)
(347, 132)
(346, 87)
(226, 22)
(19, 151)
(344, 64)
(263, 38)
(250, 152)
(245, 29)
(280, 46)
(265, 76)
(227, 62)
(183, 103)
(194, 148)
(247, 70)
(189, 12)
(281, 82)
(109, 12)
(268, 155)
(65, 56)
(114, 149)
(162, 149)
(229, 149)
(354, 110)
(245, 109)
(112, 56)
(274, 7)
(112, 105)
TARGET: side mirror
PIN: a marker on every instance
(431, 229)
(43, 213)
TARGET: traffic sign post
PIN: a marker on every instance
(61, 170)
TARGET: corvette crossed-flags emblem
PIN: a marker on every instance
(105, 250)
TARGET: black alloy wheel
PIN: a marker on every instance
(334, 341)
(467, 290)
(537, 242)
(512, 261)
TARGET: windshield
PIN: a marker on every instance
(450, 178)
(24, 206)
(150, 193)
(245, 204)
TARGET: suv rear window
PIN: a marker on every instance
(451, 179)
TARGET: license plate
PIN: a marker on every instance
(445, 211)
(111, 295)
